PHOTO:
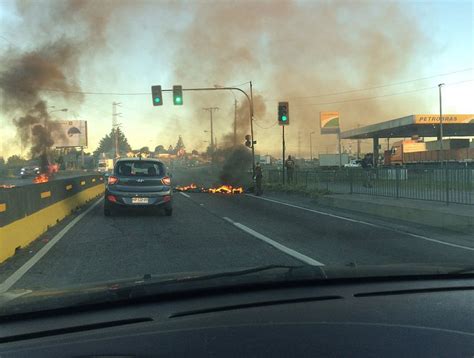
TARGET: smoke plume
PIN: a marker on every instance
(28, 79)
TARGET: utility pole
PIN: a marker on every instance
(235, 122)
(115, 127)
(311, 146)
(211, 110)
(441, 125)
(358, 144)
(299, 144)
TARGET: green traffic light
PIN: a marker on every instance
(284, 118)
(157, 99)
(177, 99)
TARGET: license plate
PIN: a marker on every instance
(139, 200)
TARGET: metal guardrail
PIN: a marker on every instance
(449, 185)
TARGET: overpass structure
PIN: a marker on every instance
(422, 125)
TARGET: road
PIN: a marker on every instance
(214, 232)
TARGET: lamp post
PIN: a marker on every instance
(441, 124)
(311, 146)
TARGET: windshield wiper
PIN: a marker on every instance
(150, 286)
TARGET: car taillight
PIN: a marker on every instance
(166, 181)
(112, 180)
(111, 198)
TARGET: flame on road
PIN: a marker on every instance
(42, 178)
(223, 189)
(187, 187)
(6, 186)
(226, 189)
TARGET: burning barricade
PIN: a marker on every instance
(222, 189)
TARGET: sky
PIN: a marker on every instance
(298, 51)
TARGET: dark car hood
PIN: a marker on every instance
(25, 300)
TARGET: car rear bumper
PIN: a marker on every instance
(138, 199)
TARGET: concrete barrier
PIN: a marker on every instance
(28, 211)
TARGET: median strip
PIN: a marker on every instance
(278, 246)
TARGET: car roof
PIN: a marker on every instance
(139, 160)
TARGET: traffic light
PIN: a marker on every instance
(157, 95)
(283, 114)
(248, 143)
(178, 95)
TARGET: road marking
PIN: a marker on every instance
(18, 274)
(184, 194)
(3, 207)
(83, 182)
(68, 187)
(286, 250)
(366, 223)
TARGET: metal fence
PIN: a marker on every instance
(448, 185)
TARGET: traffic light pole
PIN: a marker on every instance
(283, 150)
(249, 100)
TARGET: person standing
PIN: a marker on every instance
(258, 179)
(290, 169)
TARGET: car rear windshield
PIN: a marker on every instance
(140, 168)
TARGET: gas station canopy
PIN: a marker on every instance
(423, 125)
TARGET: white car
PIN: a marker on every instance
(354, 163)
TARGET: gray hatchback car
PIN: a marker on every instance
(138, 183)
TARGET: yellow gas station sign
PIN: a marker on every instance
(447, 118)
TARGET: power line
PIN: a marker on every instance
(380, 96)
(377, 86)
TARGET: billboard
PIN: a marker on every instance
(329, 122)
(447, 118)
(70, 134)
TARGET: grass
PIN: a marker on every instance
(295, 189)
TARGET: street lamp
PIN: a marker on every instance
(311, 146)
(441, 124)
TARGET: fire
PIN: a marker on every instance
(42, 178)
(226, 189)
(187, 187)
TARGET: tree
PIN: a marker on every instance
(160, 149)
(179, 145)
(195, 152)
(145, 150)
(107, 143)
(16, 160)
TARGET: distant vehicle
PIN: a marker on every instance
(138, 183)
(416, 151)
(333, 160)
(29, 171)
(105, 165)
(353, 163)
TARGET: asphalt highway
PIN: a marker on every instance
(216, 232)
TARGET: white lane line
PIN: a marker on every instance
(184, 194)
(18, 274)
(366, 223)
(286, 250)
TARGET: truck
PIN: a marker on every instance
(416, 151)
(105, 165)
(332, 160)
